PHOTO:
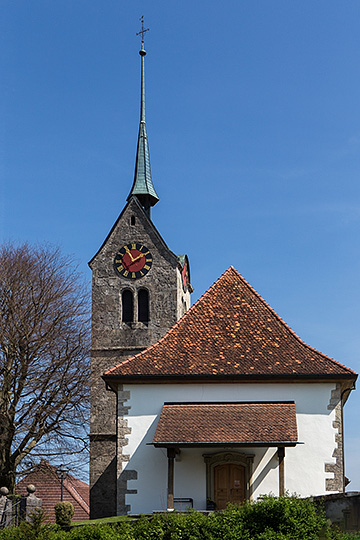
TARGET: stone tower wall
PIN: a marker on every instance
(113, 340)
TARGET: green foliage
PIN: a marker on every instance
(271, 518)
(101, 532)
(284, 518)
(37, 528)
(64, 512)
(172, 526)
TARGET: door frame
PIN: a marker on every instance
(235, 458)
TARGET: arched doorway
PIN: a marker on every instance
(229, 484)
(228, 477)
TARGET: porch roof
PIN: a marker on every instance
(227, 424)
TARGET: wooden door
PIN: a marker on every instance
(229, 485)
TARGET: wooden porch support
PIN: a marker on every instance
(281, 456)
(171, 452)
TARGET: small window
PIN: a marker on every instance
(143, 306)
(132, 220)
(127, 306)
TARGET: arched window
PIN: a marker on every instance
(143, 306)
(127, 306)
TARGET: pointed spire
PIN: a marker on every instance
(143, 187)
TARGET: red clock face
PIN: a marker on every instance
(184, 276)
(133, 261)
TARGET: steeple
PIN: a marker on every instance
(143, 187)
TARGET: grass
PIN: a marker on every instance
(100, 521)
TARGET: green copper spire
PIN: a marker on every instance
(143, 187)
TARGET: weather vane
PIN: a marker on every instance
(143, 30)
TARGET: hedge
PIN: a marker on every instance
(271, 518)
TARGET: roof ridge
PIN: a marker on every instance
(262, 336)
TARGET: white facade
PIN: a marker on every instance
(317, 415)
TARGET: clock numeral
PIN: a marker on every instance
(133, 275)
(147, 267)
(141, 273)
(118, 261)
(133, 246)
(120, 268)
(149, 261)
(126, 273)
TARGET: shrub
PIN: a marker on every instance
(287, 518)
(115, 531)
(172, 526)
(36, 528)
(271, 518)
(64, 512)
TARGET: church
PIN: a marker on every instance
(204, 405)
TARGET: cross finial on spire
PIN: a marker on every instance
(143, 187)
(142, 31)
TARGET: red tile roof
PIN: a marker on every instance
(48, 488)
(230, 332)
(226, 423)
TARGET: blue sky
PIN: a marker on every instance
(253, 119)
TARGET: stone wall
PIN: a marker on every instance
(337, 482)
(113, 341)
(342, 509)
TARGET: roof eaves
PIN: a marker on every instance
(109, 377)
(262, 444)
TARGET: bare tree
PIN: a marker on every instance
(44, 367)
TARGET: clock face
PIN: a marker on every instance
(184, 277)
(133, 261)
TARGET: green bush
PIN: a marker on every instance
(287, 518)
(101, 532)
(172, 526)
(36, 528)
(271, 518)
(64, 512)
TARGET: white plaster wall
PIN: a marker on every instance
(304, 464)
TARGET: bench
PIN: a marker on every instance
(183, 502)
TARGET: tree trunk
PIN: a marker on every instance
(7, 465)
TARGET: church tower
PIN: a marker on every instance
(139, 290)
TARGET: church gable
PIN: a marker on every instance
(231, 332)
(134, 305)
(132, 225)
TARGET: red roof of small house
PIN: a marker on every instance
(230, 332)
(238, 424)
(48, 488)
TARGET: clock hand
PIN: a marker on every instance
(129, 253)
(138, 257)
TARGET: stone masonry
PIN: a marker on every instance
(337, 482)
(113, 341)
